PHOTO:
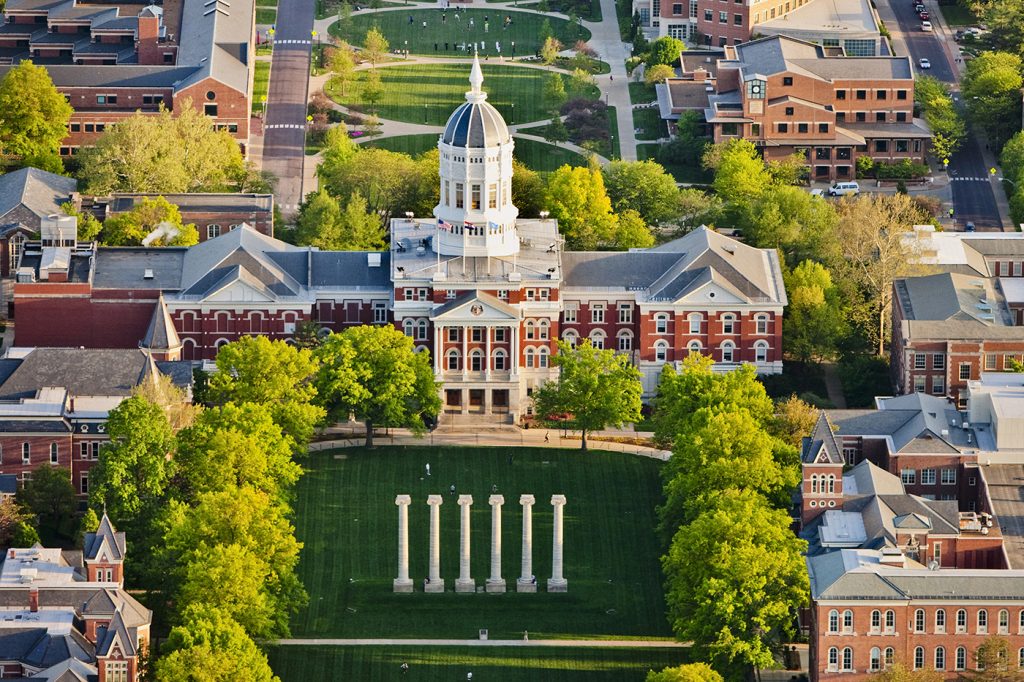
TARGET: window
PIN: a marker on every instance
(889, 656)
(847, 659)
(660, 351)
(477, 334)
(927, 476)
(961, 658)
(53, 453)
(530, 355)
(876, 621)
(920, 361)
(449, 294)
(1004, 622)
(919, 620)
(918, 658)
(476, 360)
(210, 110)
(1020, 624)
(453, 360)
(571, 338)
(965, 371)
(569, 315)
(737, 20)
(783, 127)
(723, 17)
(695, 320)
(990, 362)
(83, 483)
(801, 127)
(972, 481)
(542, 357)
(708, 16)
(814, 483)
(728, 324)
(543, 329)
(474, 197)
(901, 94)
(625, 313)
(693, 347)
(421, 330)
(840, 94)
(939, 361)
(862, 94)
(492, 196)
(677, 8)
(531, 330)
(761, 324)
(881, 94)
(408, 326)
(948, 476)
(902, 146)
(728, 351)
(901, 117)
(1020, 658)
(940, 614)
(919, 384)
(860, 117)
(26, 454)
(499, 334)
(597, 339)
(761, 351)
(875, 658)
(116, 671)
(882, 146)
(789, 111)
(459, 195)
(625, 341)
(833, 622)
(380, 313)
(597, 313)
(881, 118)
(982, 622)
(823, 128)
(212, 231)
(847, 621)
(908, 476)
(940, 658)
(833, 659)
(938, 384)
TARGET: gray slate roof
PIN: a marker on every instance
(13, 425)
(37, 648)
(779, 54)
(161, 335)
(35, 192)
(821, 440)
(107, 535)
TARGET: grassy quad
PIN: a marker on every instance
(536, 155)
(298, 664)
(346, 516)
(428, 93)
(525, 30)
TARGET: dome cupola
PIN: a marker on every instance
(476, 124)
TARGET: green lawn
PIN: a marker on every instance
(266, 15)
(958, 15)
(428, 93)
(260, 83)
(266, 3)
(613, 131)
(346, 516)
(494, 664)
(688, 174)
(641, 93)
(649, 123)
(537, 155)
(524, 31)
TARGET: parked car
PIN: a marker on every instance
(919, 7)
(843, 188)
(925, 16)
(958, 36)
(969, 227)
(817, 192)
(924, 63)
(926, 26)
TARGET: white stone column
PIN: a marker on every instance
(434, 582)
(465, 351)
(557, 583)
(465, 583)
(514, 343)
(403, 583)
(495, 583)
(487, 352)
(526, 582)
(438, 349)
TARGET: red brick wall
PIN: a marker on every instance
(109, 319)
(39, 452)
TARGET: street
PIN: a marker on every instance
(285, 123)
(973, 196)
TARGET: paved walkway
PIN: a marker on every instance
(833, 385)
(574, 643)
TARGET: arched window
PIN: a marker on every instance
(889, 656)
(876, 658)
(833, 621)
(421, 330)
(542, 357)
(961, 658)
(661, 324)
(831, 483)
(833, 659)
(761, 351)
(188, 321)
(1004, 622)
(940, 658)
(919, 620)
(847, 621)
(571, 337)
(597, 339)
(223, 322)
(876, 620)
(695, 320)
(982, 621)
(1020, 623)
(814, 483)
(452, 359)
(543, 328)
(54, 454)
(761, 323)
(530, 355)
(847, 658)
(940, 620)
(693, 347)
(728, 351)
(476, 360)
(918, 658)
(500, 357)
(255, 322)
(661, 351)
(1020, 658)
(408, 326)
(728, 323)
(961, 620)
(220, 343)
(890, 621)
(531, 329)
(188, 350)
(625, 339)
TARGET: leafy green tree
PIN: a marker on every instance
(595, 388)
(131, 227)
(689, 145)
(991, 88)
(1012, 157)
(233, 446)
(175, 402)
(631, 232)
(373, 89)
(793, 420)
(375, 46)
(307, 335)
(343, 66)
(643, 186)
(255, 369)
(88, 524)
(658, 73)
(948, 129)
(581, 83)
(897, 671)
(1005, 21)
(231, 579)
(815, 323)
(12, 515)
(376, 374)
(50, 496)
(789, 219)
(24, 535)
(35, 114)
(995, 661)
(695, 208)
(576, 197)
(740, 174)
(554, 93)
(549, 50)
(556, 131)
(527, 190)
(135, 467)
(88, 226)
(319, 221)
(388, 180)
(338, 149)
(734, 578)
(665, 50)
(210, 646)
(689, 672)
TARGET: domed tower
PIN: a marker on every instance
(475, 215)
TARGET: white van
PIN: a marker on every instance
(843, 188)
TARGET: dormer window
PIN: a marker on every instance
(755, 89)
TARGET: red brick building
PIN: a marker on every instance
(212, 213)
(111, 61)
(789, 97)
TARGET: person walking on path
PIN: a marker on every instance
(428, 468)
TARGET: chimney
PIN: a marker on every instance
(149, 39)
(33, 599)
(892, 557)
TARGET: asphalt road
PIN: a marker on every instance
(285, 121)
(973, 197)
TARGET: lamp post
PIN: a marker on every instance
(513, 117)
(514, 48)
(320, 55)
(424, 114)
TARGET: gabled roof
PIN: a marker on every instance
(105, 537)
(116, 638)
(820, 447)
(40, 648)
(241, 254)
(475, 305)
(69, 670)
(38, 191)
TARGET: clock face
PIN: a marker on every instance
(756, 89)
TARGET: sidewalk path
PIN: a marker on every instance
(833, 385)
(615, 86)
(574, 643)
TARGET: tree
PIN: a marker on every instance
(50, 496)
(658, 74)
(135, 466)
(24, 535)
(35, 114)
(1012, 157)
(733, 578)
(1005, 21)
(131, 227)
(549, 50)
(814, 319)
(160, 390)
(376, 374)
(695, 208)
(12, 516)
(554, 93)
(595, 388)
(371, 125)
(89, 523)
(665, 50)
(991, 88)
(581, 83)
(389, 181)
(373, 89)
(948, 129)
(690, 672)
(576, 197)
(556, 131)
(210, 646)
(740, 174)
(88, 226)
(793, 420)
(375, 46)
(343, 66)
(229, 578)
(631, 232)
(361, 230)
(996, 662)
(319, 221)
(897, 671)
(255, 369)
(644, 187)
(527, 190)
(338, 149)
(233, 446)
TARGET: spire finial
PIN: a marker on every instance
(476, 76)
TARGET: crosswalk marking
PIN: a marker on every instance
(293, 41)
(293, 126)
(962, 178)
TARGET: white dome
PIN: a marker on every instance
(476, 124)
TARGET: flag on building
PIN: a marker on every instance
(442, 225)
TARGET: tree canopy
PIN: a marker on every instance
(210, 646)
(35, 116)
(991, 88)
(644, 187)
(325, 224)
(690, 672)
(131, 227)
(814, 318)
(577, 198)
(665, 50)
